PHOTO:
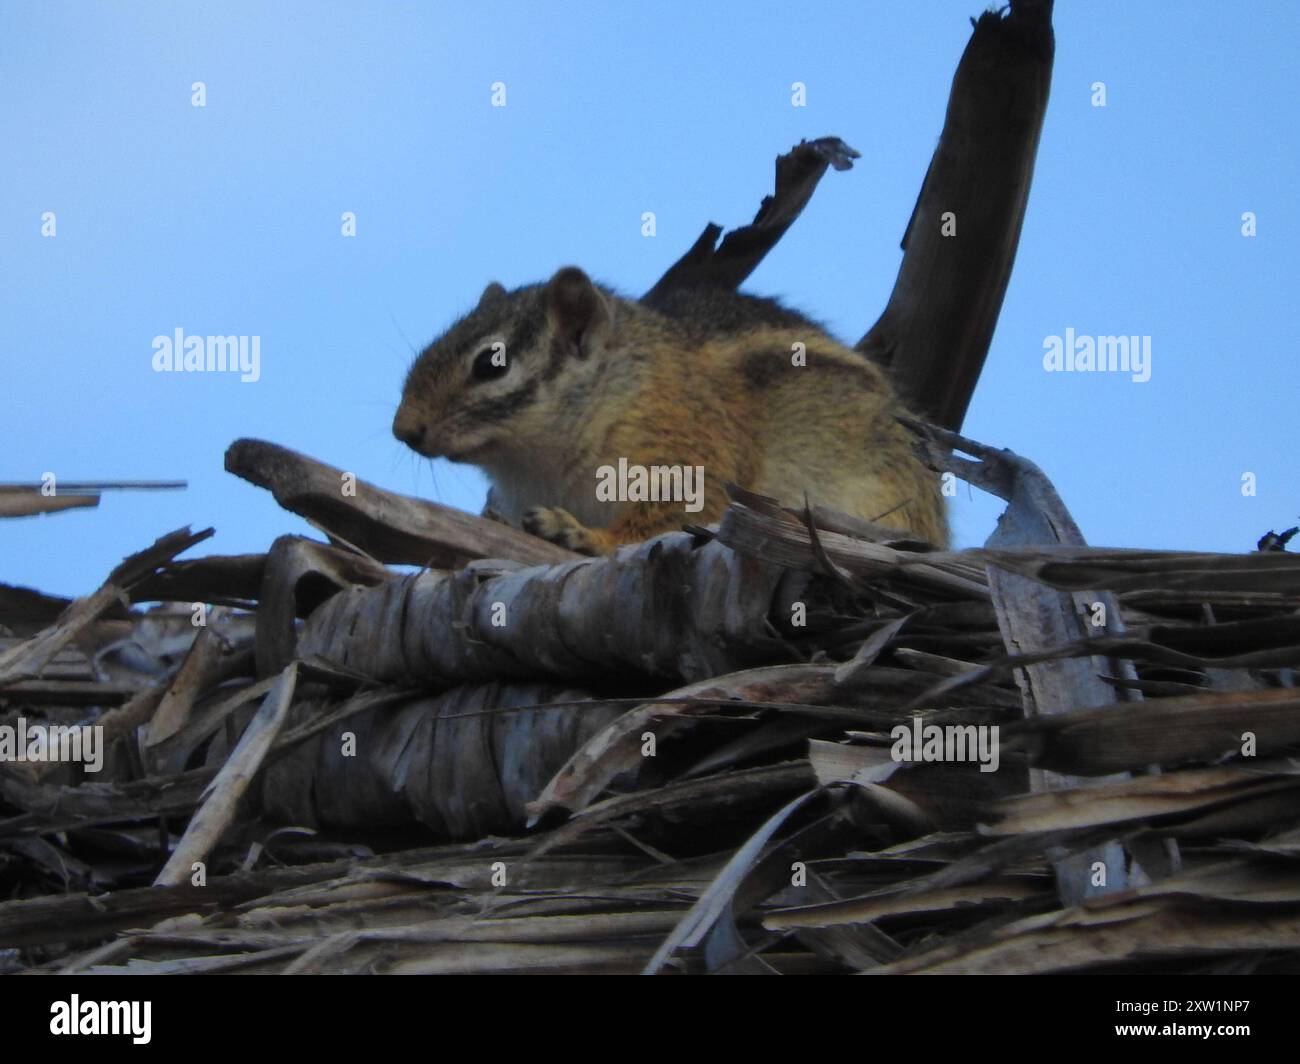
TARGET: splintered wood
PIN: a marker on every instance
(636, 750)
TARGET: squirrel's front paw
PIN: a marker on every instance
(562, 528)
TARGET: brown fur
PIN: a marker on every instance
(597, 378)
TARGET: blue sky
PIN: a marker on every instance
(226, 220)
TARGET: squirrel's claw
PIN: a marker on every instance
(563, 529)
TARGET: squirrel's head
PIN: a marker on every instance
(508, 371)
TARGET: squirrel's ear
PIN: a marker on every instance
(577, 311)
(491, 294)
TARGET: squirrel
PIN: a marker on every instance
(547, 387)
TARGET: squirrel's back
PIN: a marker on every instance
(705, 312)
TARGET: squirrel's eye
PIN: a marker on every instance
(490, 363)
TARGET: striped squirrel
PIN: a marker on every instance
(547, 387)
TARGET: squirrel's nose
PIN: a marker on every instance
(408, 429)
